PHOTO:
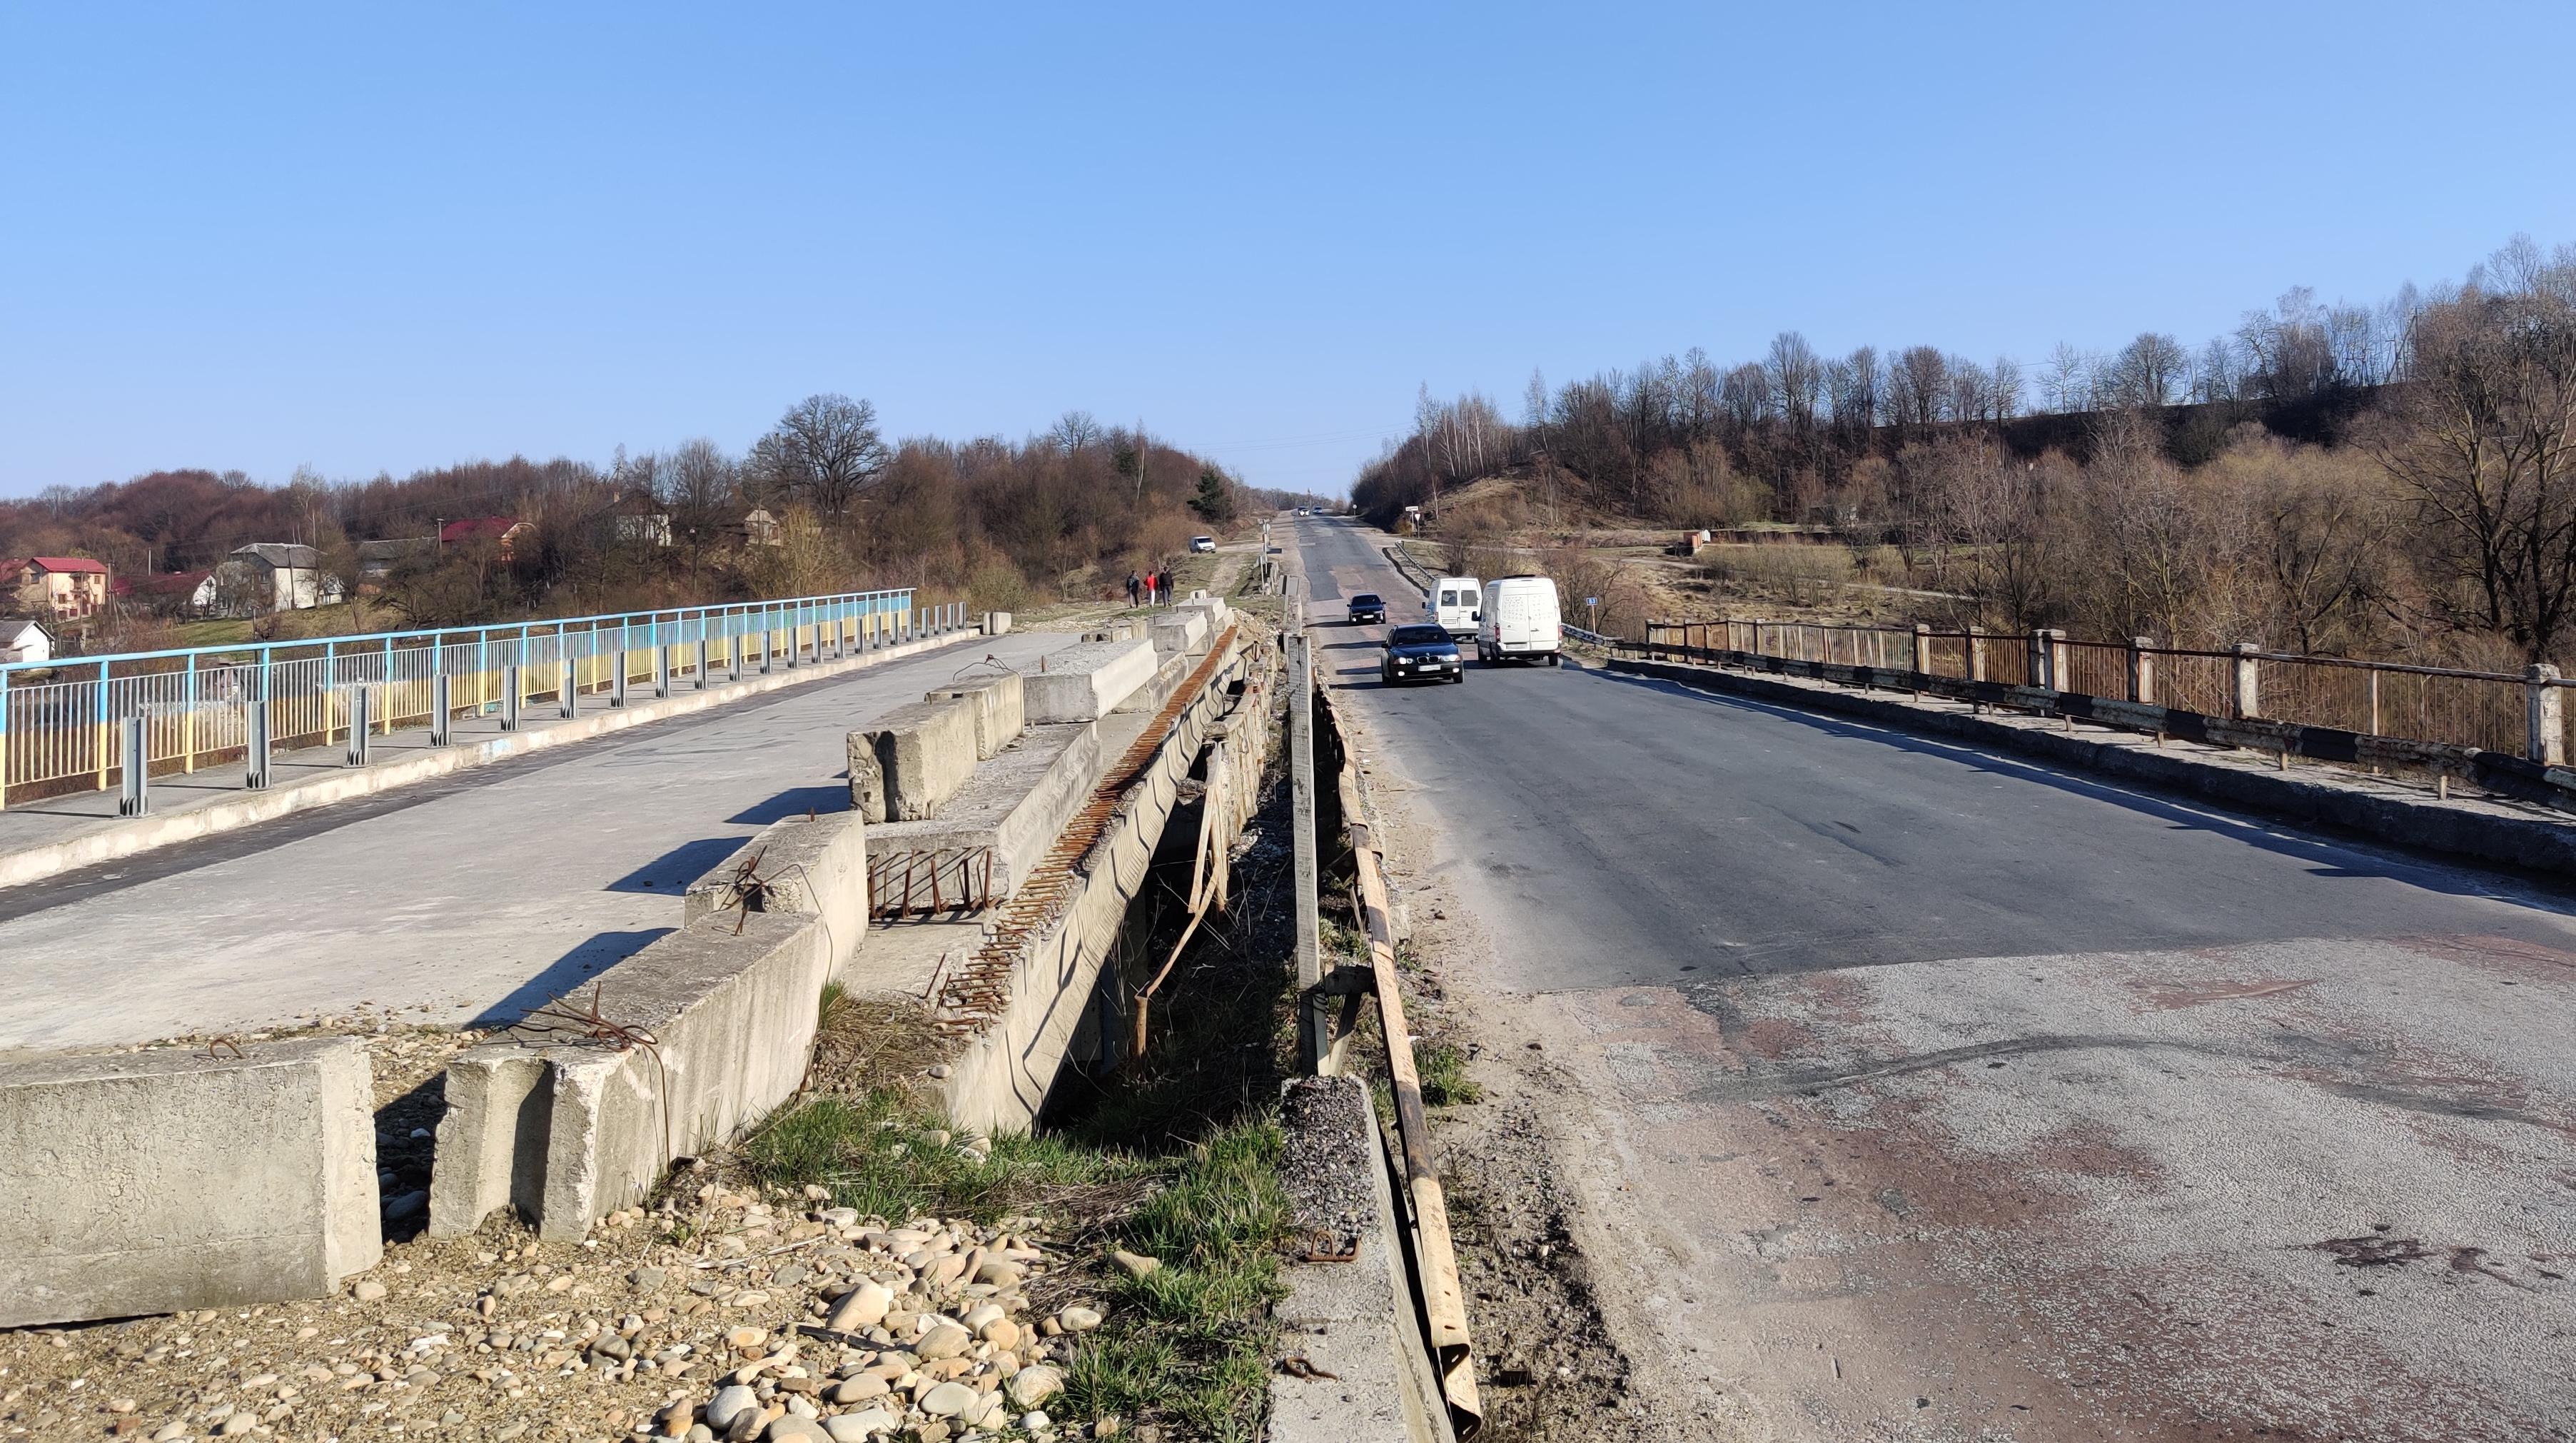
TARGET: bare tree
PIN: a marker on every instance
(826, 449)
(2148, 370)
(1796, 379)
(1074, 432)
(2484, 438)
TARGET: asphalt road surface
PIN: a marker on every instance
(470, 898)
(1920, 1093)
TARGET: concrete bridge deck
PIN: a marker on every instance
(467, 898)
(1912, 1091)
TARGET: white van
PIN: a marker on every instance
(1452, 603)
(1519, 621)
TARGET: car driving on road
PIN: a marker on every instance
(1367, 606)
(1420, 653)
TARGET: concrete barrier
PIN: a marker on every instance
(996, 622)
(1014, 807)
(1180, 631)
(905, 763)
(1087, 681)
(1000, 705)
(566, 1131)
(1112, 631)
(1006, 1054)
(148, 1182)
(802, 866)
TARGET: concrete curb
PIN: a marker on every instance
(1348, 1315)
(251, 808)
(2531, 843)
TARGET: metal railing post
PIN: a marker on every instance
(2544, 735)
(2247, 693)
(255, 739)
(2142, 670)
(1976, 653)
(441, 724)
(134, 795)
(2061, 669)
(361, 710)
(2041, 654)
(1922, 655)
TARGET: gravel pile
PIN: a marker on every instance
(718, 1314)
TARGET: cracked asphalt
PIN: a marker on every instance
(1916, 1093)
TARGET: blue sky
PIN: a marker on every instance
(370, 238)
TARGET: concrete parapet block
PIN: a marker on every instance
(996, 622)
(729, 1003)
(1213, 608)
(904, 764)
(1000, 704)
(804, 866)
(1087, 681)
(148, 1182)
(1112, 631)
(1015, 806)
(1174, 669)
(1180, 631)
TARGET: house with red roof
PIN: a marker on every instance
(504, 532)
(61, 587)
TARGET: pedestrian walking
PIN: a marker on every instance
(1135, 584)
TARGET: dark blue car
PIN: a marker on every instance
(1368, 606)
(1420, 653)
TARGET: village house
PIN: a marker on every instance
(24, 638)
(273, 576)
(504, 533)
(61, 588)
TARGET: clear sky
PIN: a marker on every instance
(374, 237)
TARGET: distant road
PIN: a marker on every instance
(1958, 1096)
(472, 897)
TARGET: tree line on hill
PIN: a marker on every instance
(2395, 480)
(822, 502)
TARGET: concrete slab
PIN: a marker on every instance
(904, 764)
(906, 957)
(1180, 631)
(1087, 681)
(998, 703)
(147, 1182)
(1012, 808)
(731, 1014)
(813, 866)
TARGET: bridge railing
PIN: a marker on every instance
(64, 724)
(2307, 705)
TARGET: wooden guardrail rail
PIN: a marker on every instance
(1444, 1309)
